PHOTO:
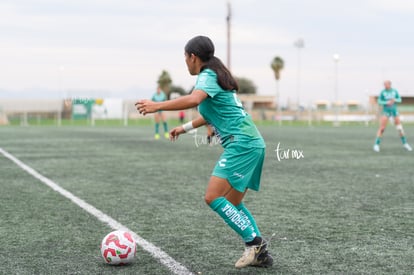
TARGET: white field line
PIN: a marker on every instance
(156, 252)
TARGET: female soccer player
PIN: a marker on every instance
(388, 99)
(160, 96)
(240, 165)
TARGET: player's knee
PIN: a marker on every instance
(399, 128)
(209, 198)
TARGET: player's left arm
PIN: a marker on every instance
(146, 106)
(397, 98)
(195, 123)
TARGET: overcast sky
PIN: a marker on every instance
(118, 48)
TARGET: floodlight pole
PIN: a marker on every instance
(61, 91)
(228, 19)
(300, 44)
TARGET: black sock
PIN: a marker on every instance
(256, 241)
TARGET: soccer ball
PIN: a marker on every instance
(118, 248)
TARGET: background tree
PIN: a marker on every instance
(277, 65)
(177, 90)
(164, 81)
(246, 86)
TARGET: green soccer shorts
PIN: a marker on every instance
(241, 166)
(389, 112)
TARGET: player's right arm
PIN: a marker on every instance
(195, 123)
(382, 100)
(145, 106)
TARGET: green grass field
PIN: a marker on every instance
(342, 209)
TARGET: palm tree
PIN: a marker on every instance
(277, 65)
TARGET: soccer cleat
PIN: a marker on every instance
(263, 260)
(407, 147)
(167, 135)
(250, 254)
(157, 136)
(376, 148)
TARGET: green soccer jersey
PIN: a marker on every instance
(158, 97)
(225, 113)
(387, 95)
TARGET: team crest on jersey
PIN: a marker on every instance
(222, 162)
(390, 95)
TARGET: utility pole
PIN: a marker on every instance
(300, 44)
(228, 19)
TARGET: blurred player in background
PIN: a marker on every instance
(388, 99)
(181, 116)
(210, 134)
(160, 96)
(240, 166)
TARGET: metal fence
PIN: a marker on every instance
(37, 112)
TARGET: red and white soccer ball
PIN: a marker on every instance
(118, 248)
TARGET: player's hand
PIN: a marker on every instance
(146, 106)
(390, 102)
(174, 133)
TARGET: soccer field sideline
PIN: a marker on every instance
(174, 266)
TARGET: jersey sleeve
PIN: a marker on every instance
(207, 82)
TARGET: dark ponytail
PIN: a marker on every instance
(203, 47)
